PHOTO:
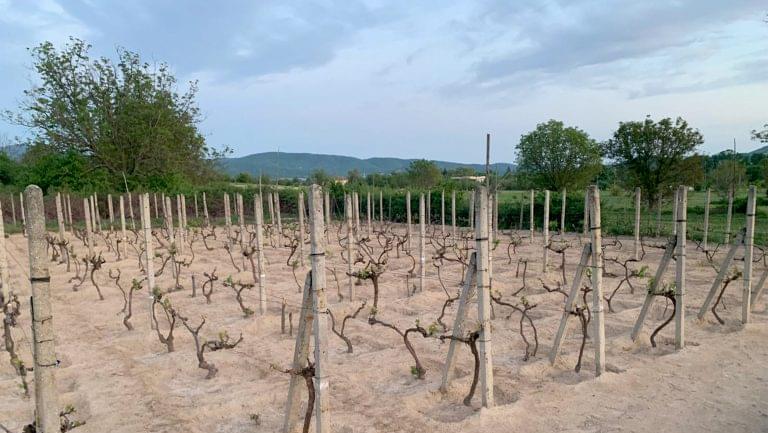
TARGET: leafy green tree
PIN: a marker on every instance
(652, 154)
(320, 177)
(424, 174)
(124, 117)
(728, 174)
(244, 178)
(761, 136)
(554, 157)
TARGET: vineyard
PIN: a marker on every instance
(297, 310)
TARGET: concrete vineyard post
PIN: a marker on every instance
(597, 279)
(658, 214)
(350, 236)
(729, 216)
(327, 210)
(495, 217)
(69, 212)
(302, 234)
(197, 214)
(271, 207)
(13, 210)
(154, 199)
(472, 210)
(180, 219)
(381, 209)
(746, 301)
(227, 218)
(258, 227)
(320, 309)
(531, 222)
(205, 211)
(453, 214)
(23, 215)
(59, 219)
(408, 231)
(368, 210)
(429, 208)
(5, 278)
(111, 210)
(681, 223)
(87, 215)
(568, 310)
(705, 235)
(562, 212)
(149, 264)
(123, 237)
(168, 220)
(482, 248)
(545, 231)
(674, 212)
(130, 210)
(44, 353)
(637, 223)
(279, 219)
(422, 236)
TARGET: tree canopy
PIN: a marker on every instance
(554, 157)
(124, 117)
(424, 174)
(653, 154)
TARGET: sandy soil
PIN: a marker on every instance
(125, 381)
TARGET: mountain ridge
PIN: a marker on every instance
(302, 164)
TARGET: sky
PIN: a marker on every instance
(423, 79)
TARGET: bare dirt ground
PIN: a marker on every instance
(125, 381)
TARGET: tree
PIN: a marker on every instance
(125, 117)
(652, 154)
(761, 136)
(424, 174)
(244, 177)
(320, 177)
(554, 157)
(728, 174)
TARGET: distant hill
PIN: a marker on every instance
(760, 151)
(289, 165)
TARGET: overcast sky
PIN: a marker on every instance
(424, 79)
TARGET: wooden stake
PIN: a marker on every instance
(320, 310)
(44, 353)
(650, 293)
(746, 307)
(300, 356)
(597, 279)
(484, 298)
(681, 224)
(458, 322)
(568, 308)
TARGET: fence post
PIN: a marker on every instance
(88, 236)
(302, 233)
(46, 399)
(23, 216)
(111, 210)
(746, 302)
(408, 231)
(368, 205)
(453, 213)
(442, 212)
(123, 237)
